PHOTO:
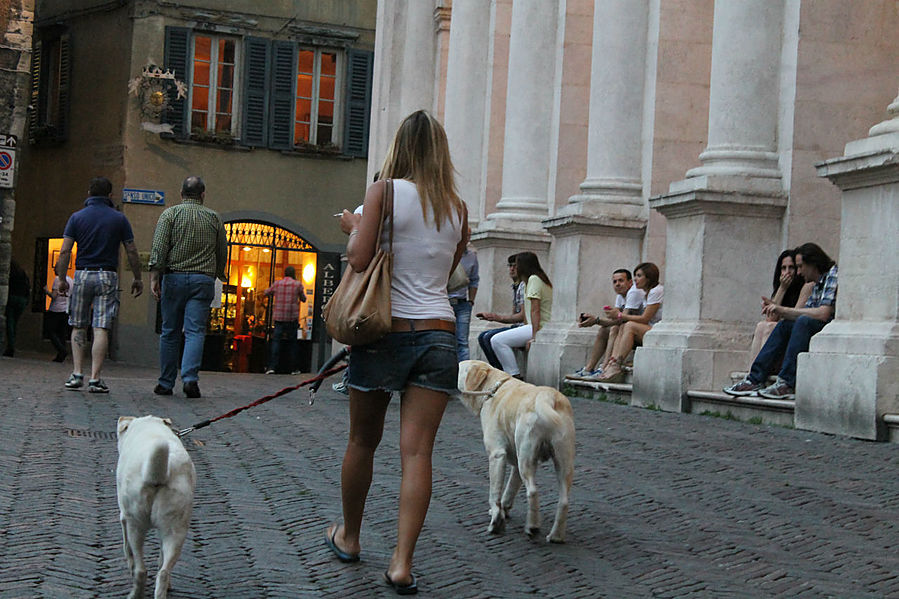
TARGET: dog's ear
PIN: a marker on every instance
(477, 374)
(122, 425)
(167, 421)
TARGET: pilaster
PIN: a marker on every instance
(850, 377)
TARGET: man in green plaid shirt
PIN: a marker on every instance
(190, 249)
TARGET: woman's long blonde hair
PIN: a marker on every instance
(420, 153)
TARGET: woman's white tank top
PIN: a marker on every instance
(422, 256)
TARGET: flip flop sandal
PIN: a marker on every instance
(403, 589)
(342, 555)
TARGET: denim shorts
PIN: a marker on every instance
(424, 359)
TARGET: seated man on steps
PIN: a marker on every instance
(793, 333)
(630, 299)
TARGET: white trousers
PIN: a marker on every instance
(503, 344)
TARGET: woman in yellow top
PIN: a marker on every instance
(538, 292)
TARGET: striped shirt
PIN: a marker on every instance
(288, 293)
(190, 237)
(825, 291)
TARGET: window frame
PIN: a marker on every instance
(212, 105)
(51, 74)
(337, 125)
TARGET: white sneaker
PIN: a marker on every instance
(269, 371)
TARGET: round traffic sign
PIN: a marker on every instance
(5, 161)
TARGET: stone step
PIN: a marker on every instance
(757, 409)
(614, 392)
(892, 423)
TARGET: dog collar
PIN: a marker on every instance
(495, 388)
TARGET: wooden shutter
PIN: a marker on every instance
(254, 131)
(284, 76)
(177, 52)
(65, 78)
(358, 102)
(34, 115)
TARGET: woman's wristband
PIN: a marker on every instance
(354, 232)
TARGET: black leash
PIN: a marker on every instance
(324, 373)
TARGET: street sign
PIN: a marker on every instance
(143, 196)
(7, 160)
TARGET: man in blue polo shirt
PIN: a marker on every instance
(98, 229)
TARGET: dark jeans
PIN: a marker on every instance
(288, 329)
(788, 339)
(58, 330)
(484, 342)
(15, 305)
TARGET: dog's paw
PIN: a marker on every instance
(496, 526)
(555, 538)
(531, 531)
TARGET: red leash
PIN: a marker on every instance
(262, 400)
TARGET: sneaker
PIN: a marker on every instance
(585, 373)
(341, 387)
(743, 388)
(779, 390)
(97, 386)
(270, 371)
(160, 390)
(76, 381)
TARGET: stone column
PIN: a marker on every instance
(405, 62)
(528, 142)
(602, 227)
(724, 215)
(850, 377)
(467, 97)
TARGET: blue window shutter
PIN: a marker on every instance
(177, 52)
(358, 102)
(254, 131)
(284, 76)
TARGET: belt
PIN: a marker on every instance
(413, 325)
(98, 269)
(457, 300)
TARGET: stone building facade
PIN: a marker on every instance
(603, 133)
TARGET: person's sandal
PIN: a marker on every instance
(411, 588)
(345, 557)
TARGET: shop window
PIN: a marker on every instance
(46, 254)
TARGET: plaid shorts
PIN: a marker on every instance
(97, 292)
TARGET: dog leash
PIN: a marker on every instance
(317, 378)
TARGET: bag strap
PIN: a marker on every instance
(386, 211)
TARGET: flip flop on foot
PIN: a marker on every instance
(342, 555)
(410, 588)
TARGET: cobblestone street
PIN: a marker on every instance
(663, 505)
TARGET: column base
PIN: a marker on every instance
(678, 356)
(558, 349)
(849, 379)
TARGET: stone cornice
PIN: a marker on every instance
(722, 195)
(576, 224)
(880, 167)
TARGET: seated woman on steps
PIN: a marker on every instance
(538, 293)
(788, 290)
(634, 326)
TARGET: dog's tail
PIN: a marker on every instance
(156, 468)
(545, 407)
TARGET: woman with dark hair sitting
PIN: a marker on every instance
(538, 293)
(789, 290)
(634, 326)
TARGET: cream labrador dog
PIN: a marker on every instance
(523, 425)
(155, 480)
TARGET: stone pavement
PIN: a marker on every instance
(663, 505)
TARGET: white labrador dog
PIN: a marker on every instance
(155, 480)
(523, 425)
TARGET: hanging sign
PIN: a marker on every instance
(7, 160)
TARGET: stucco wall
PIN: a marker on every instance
(847, 74)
